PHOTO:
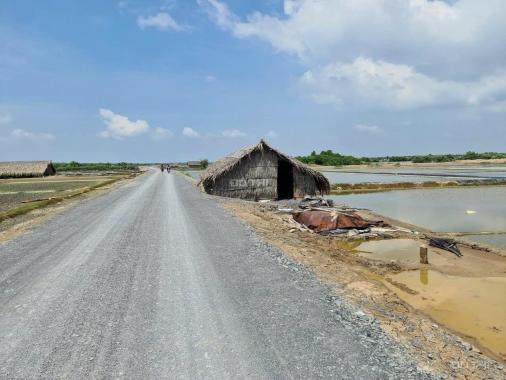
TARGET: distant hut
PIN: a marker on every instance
(194, 164)
(18, 169)
(261, 172)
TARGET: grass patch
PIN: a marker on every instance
(26, 208)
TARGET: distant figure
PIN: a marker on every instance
(168, 168)
(162, 167)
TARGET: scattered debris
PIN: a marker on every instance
(310, 202)
(320, 220)
(447, 244)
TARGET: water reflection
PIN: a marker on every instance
(424, 276)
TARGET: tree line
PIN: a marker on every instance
(330, 158)
(94, 166)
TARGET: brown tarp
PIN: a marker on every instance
(319, 221)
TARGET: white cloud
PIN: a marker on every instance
(190, 132)
(210, 78)
(321, 30)
(27, 135)
(398, 87)
(422, 52)
(162, 134)
(232, 133)
(118, 126)
(367, 128)
(5, 118)
(160, 21)
(219, 13)
(271, 134)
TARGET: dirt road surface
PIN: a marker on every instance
(156, 280)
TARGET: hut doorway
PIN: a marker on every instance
(285, 180)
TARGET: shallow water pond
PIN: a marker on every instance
(406, 250)
(493, 240)
(473, 306)
(414, 174)
(471, 209)
(343, 177)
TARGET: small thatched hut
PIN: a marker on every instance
(17, 169)
(194, 164)
(261, 172)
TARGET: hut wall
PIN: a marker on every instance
(255, 177)
(304, 184)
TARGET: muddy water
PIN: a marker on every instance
(471, 299)
(405, 250)
(472, 306)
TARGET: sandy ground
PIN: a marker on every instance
(362, 282)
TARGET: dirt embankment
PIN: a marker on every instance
(352, 188)
(408, 164)
(362, 282)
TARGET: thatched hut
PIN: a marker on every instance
(18, 169)
(261, 172)
(194, 164)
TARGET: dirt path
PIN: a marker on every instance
(155, 280)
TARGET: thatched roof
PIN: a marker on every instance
(25, 168)
(231, 161)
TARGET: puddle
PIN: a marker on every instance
(472, 306)
(406, 250)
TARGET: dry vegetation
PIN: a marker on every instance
(22, 195)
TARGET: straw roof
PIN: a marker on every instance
(26, 168)
(231, 161)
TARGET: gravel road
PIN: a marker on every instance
(156, 280)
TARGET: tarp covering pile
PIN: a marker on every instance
(322, 220)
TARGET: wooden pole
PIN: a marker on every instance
(424, 257)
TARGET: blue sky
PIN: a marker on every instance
(182, 79)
